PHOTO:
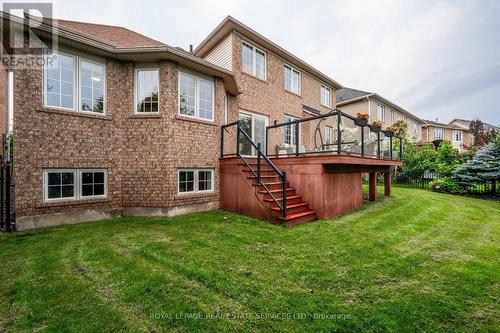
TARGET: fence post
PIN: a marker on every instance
(258, 162)
(400, 148)
(267, 140)
(339, 133)
(7, 197)
(297, 138)
(2, 196)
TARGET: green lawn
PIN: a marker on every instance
(419, 261)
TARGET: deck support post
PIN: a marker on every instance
(372, 186)
(387, 183)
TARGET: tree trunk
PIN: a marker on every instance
(494, 187)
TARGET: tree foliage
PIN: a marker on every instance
(484, 167)
(399, 127)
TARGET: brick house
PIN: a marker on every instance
(378, 108)
(459, 136)
(116, 123)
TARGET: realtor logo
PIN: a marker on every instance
(27, 32)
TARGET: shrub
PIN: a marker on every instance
(444, 185)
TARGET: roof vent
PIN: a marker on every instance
(190, 48)
(437, 120)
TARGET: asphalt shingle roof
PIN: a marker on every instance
(346, 94)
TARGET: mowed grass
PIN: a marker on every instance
(418, 261)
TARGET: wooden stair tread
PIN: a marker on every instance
(276, 191)
(267, 184)
(253, 177)
(280, 198)
(293, 216)
(290, 206)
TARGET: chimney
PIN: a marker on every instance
(437, 120)
(190, 48)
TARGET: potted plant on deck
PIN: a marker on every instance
(361, 119)
(375, 126)
(388, 133)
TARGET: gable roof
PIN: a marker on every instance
(120, 43)
(430, 123)
(349, 95)
(231, 24)
(467, 122)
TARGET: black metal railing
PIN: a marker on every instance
(260, 157)
(346, 134)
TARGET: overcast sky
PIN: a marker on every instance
(437, 59)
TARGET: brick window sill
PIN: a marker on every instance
(192, 196)
(254, 77)
(293, 93)
(72, 202)
(75, 113)
(196, 120)
(145, 116)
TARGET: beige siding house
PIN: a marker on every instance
(459, 136)
(352, 101)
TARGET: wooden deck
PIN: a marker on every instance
(325, 186)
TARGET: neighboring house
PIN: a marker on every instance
(459, 136)
(121, 124)
(353, 101)
(464, 124)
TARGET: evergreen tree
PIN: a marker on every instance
(484, 167)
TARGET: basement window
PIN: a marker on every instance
(195, 180)
(74, 184)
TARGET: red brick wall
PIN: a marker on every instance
(141, 153)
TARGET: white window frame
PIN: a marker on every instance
(77, 107)
(455, 132)
(415, 128)
(77, 183)
(292, 130)
(254, 60)
(136, 87)
(441, 135)
(381, 115)
(328, 135)
(196, 181)
(198, 79)
(393, 115)
(329, 90)
(80, 59)
(299, 85)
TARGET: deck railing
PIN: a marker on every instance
(335, 132)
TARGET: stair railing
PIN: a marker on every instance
(261, 157)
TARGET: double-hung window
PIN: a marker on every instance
(380, 112)
(147, 89)
(326, 96)
(253, 61)
(328, 135)
(74, 83)
(195, 180)
(392, 116)
(457, 136)
(74, 184)
(196, 96)
(438, 134)
(290, 131)
(292, 79)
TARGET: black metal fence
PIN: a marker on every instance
(7, 212)
(420, 181)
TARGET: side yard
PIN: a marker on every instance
(419, 261)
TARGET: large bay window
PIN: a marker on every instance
(253, 61)
(195, 180)
(147, 83)
(196, 96)
(74, 184)
(292, 79)
(69, 78)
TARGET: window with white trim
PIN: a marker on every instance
(393, 116)
(457, 136)
(326, 96)
(147, 90)
(415, 129)
(438, 134)
(70, 79)
(74, 184)
(292, 79)
(380, 112)
(290, 131)
(253, 60)
(328, 135)
(196, 96)
(195, 180)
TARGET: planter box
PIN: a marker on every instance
(375, 129)
(388, 133)
(360, 121)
